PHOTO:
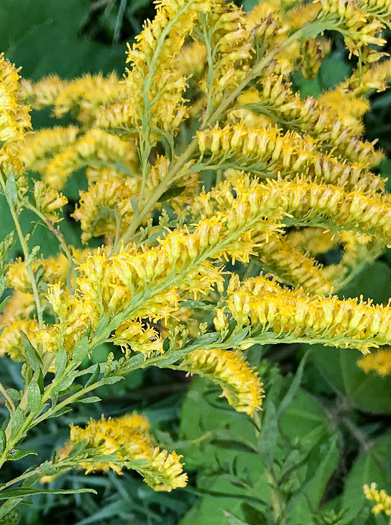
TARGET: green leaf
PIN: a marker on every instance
(14, 394)
(373, 282)
(267, 438)
(55, 26)
(92, 399)
(312, 29)
(65, 382)
(81, 350)
(32, 355)
(77, 449)
(61, 412)
(232, 520)
(34, 396)
(369, 392)
(94, 376)
(17, 493)
(171, 193)
(7, 507)
(372, 466)
(111, 380)
(3, 440)
(61, 361)
(17, 454)
(293, 388)
(102, 325)
(320, 465)
(17, 421)
(4, 302)
(333, 71)
(11, 192)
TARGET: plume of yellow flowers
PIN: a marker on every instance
(126, 441)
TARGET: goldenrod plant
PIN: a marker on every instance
(212, 190)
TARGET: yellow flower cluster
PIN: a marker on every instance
(11, 338)
(48, 201)
(289, 155)
(380, 497)
(335, 129)
(106, 284)
(379, 362)
(293, 315)
(55, 269)
(95, 147)
(360, 25)
(288, 263)
(127, 439)
(40, 146)
(43, 93)
(14, 117)
(14, 120)
(240, 384)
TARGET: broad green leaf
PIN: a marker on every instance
(320, 464)
(304, 422)
(369, 392)
(53, 26)
(373, 282)
(233, 520)
(65, 382)
(333, 71)
(372, 466)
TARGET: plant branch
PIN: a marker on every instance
(26, 253)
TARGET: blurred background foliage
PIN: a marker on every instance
(325, 426)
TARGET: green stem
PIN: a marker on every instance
(275, 496)
(22, 477)
(7, 398)
(165, 183)
(61, 239)
(26, 254)
(362, 439)
(27, 424)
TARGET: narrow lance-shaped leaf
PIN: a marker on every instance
(34, 396)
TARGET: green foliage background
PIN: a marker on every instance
(325, 424)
